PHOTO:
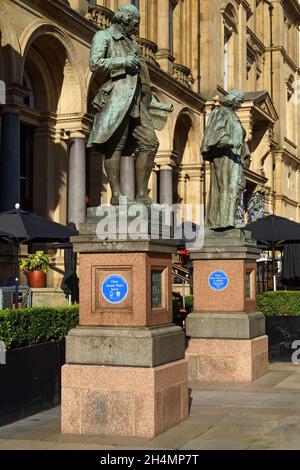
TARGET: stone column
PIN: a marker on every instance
(77, 178)
(10, 159)
(95, 177)
(128, 177)
(164, 56)
(166, 185)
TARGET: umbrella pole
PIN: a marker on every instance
(17, 278)
(274, 268)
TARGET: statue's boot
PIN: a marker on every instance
(144, 167)
(112, 168)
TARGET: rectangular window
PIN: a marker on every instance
(156, 289)
(226, 50)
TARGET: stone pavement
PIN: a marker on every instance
(263, 415)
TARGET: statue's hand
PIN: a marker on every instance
(132, 61)
(225, 144)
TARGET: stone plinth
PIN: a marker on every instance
(227, 333)
(126, 372)
(136, 268)
(119, 346)
(124, 401)
(227, 360)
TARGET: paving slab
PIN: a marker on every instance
(259, 416)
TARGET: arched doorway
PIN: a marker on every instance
(186, 145)
(53, 102)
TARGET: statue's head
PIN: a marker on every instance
(234, 99)
(129, 17)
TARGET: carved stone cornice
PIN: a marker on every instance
(148, 50)
(285, 56)
(99, 15)
(292, 8)
(183, 75)
(256, 178)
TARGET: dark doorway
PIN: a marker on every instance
(26, 167)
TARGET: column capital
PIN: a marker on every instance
(167, 158)
(15, 94)
(76, 134)
(10, 109)
(74, 125)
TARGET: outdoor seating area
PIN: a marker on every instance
(21, 228)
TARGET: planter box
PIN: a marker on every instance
(30, 380)
(282, 332)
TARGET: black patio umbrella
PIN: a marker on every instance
(24, 227)
(273, 231)
(290, 275)
(70, 282)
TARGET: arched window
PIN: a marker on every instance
(29, 99)
(230, 38)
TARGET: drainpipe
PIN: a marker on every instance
(204, 170)
(271, 9)
(199, 49)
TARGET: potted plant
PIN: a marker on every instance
(36, 266)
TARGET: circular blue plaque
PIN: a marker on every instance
(218, 280)
(115, 289)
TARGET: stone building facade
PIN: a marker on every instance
(196, 50)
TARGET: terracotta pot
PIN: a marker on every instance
(37, 279)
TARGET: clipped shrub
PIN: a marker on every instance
(281, 303)
(26, 327)
(189, 303)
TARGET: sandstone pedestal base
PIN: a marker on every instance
(123, 401)
(222, 360)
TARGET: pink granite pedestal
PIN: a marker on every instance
(124, 401)
(226, 333)
(126, 373)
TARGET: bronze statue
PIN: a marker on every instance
(225, 148)
(123, 123)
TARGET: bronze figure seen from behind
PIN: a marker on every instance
(225, 148)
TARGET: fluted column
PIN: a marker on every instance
(77, 178)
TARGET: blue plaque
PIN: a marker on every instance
(218, 280)
(115, 289)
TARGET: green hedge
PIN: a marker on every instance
(26, 327)
(189, 303)
(270, 303)
(279, 303)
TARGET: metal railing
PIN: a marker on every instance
(8, 297)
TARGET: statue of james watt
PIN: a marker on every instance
(123, 123)
(225, 148)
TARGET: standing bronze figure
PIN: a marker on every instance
(225, 148)
(123, 123)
